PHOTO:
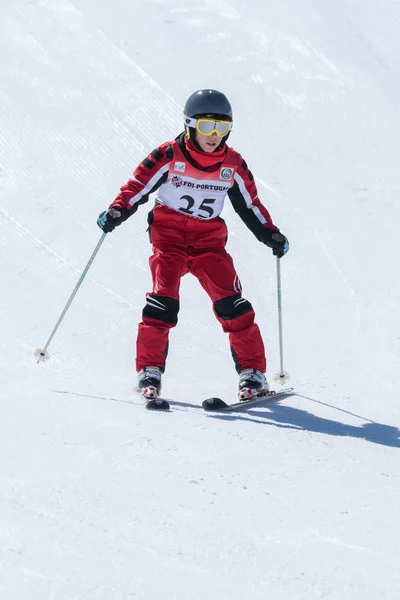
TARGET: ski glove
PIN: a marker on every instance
(277, 241)
(110, 218)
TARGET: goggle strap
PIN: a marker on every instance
(190, 122)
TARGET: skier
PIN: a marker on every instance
(192, 176)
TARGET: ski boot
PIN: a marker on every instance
(252, 383)
(149, 382)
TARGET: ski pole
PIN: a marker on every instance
(43, 355)
(282, 376)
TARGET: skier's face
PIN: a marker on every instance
(208, 143)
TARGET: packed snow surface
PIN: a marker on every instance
(102, 499)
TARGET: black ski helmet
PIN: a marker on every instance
(207, 103)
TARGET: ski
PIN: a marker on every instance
(157, 404)
(218, 405)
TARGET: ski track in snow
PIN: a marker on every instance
(32, 242)
(353, 319)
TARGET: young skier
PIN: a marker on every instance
(192, 176)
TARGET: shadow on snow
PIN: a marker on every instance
(287, 417)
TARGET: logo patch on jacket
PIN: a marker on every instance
(226, 173)
(180, 167)
(176, 181)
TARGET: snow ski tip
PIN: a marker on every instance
(157, 404)
(214, 404)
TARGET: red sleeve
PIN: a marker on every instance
(249, 194)
(146, 179)
(245, 201)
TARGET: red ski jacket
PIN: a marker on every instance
(185, 186)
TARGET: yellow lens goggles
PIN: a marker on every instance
(207, 126)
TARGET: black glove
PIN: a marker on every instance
(274, 239)
(110, 218)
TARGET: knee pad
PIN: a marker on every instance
(232, 307)
(161, 308)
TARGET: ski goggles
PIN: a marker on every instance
(208, 126)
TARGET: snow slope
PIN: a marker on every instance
(100, 499)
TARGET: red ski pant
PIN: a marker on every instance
(216, 273)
